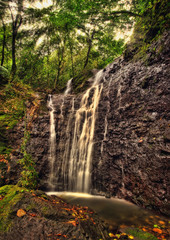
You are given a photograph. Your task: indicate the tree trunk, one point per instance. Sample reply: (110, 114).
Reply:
(15, 26)
(3, 44)
(59, 67)
(88, 53)
(14, 34)
(90, 40)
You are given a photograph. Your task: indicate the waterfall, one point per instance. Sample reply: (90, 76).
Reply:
(105, 120)
(67, 146)
(67, 91)
(73, 170)
(82, 143)
(52, 140)
(68, 88)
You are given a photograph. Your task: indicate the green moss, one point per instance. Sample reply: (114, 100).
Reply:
(10, 195)
(148, 29)
(139, 234)
(12, 107)
(45, 210)
(31, 206)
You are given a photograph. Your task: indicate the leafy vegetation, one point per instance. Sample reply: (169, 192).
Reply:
(29, 175)
(150, 27)
(50, 45)
(45, 47)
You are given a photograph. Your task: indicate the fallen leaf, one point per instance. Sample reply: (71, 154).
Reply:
(73, 223)
(32, 214)
(162, 222)
(111, 234)
(157, 230)
(21, 213)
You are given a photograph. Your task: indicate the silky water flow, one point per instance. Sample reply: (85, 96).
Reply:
(77, 157)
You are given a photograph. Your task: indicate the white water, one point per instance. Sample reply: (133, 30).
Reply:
(52, 139)
(52, 153)
(69, 87)
(106, 121)
(67, 145)
(67, 91)
(82, 143)
(76, 161)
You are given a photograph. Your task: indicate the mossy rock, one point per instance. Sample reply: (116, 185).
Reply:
(139, 234)
(152, 24)
(34, 215)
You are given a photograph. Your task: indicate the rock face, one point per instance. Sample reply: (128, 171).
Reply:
(134, 154)
(132, 139)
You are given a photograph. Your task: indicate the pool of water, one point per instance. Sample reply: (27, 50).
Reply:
(114, 211)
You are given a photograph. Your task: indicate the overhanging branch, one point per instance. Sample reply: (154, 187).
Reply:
(126, 12)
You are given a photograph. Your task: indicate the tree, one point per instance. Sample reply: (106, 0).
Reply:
(76, 36)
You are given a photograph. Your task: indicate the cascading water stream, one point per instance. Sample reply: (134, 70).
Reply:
(52, 140)
(67, 145)
(69, 87)
(52, 153)
(67, 91)
(74, 170)
(82, 143)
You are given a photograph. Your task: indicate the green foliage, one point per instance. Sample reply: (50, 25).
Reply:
(139, 234)
(79, 81)
(150, 27)
(69, 36)
(4, 75)
(28, 175)
(72, 34)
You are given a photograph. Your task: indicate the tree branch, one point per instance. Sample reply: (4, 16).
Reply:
(126, 12)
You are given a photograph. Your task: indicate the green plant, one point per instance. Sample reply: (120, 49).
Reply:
(28, 175)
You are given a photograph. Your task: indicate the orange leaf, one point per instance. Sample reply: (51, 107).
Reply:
(157, 230)
(162, 222)
(73, 223)
(21, 213)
